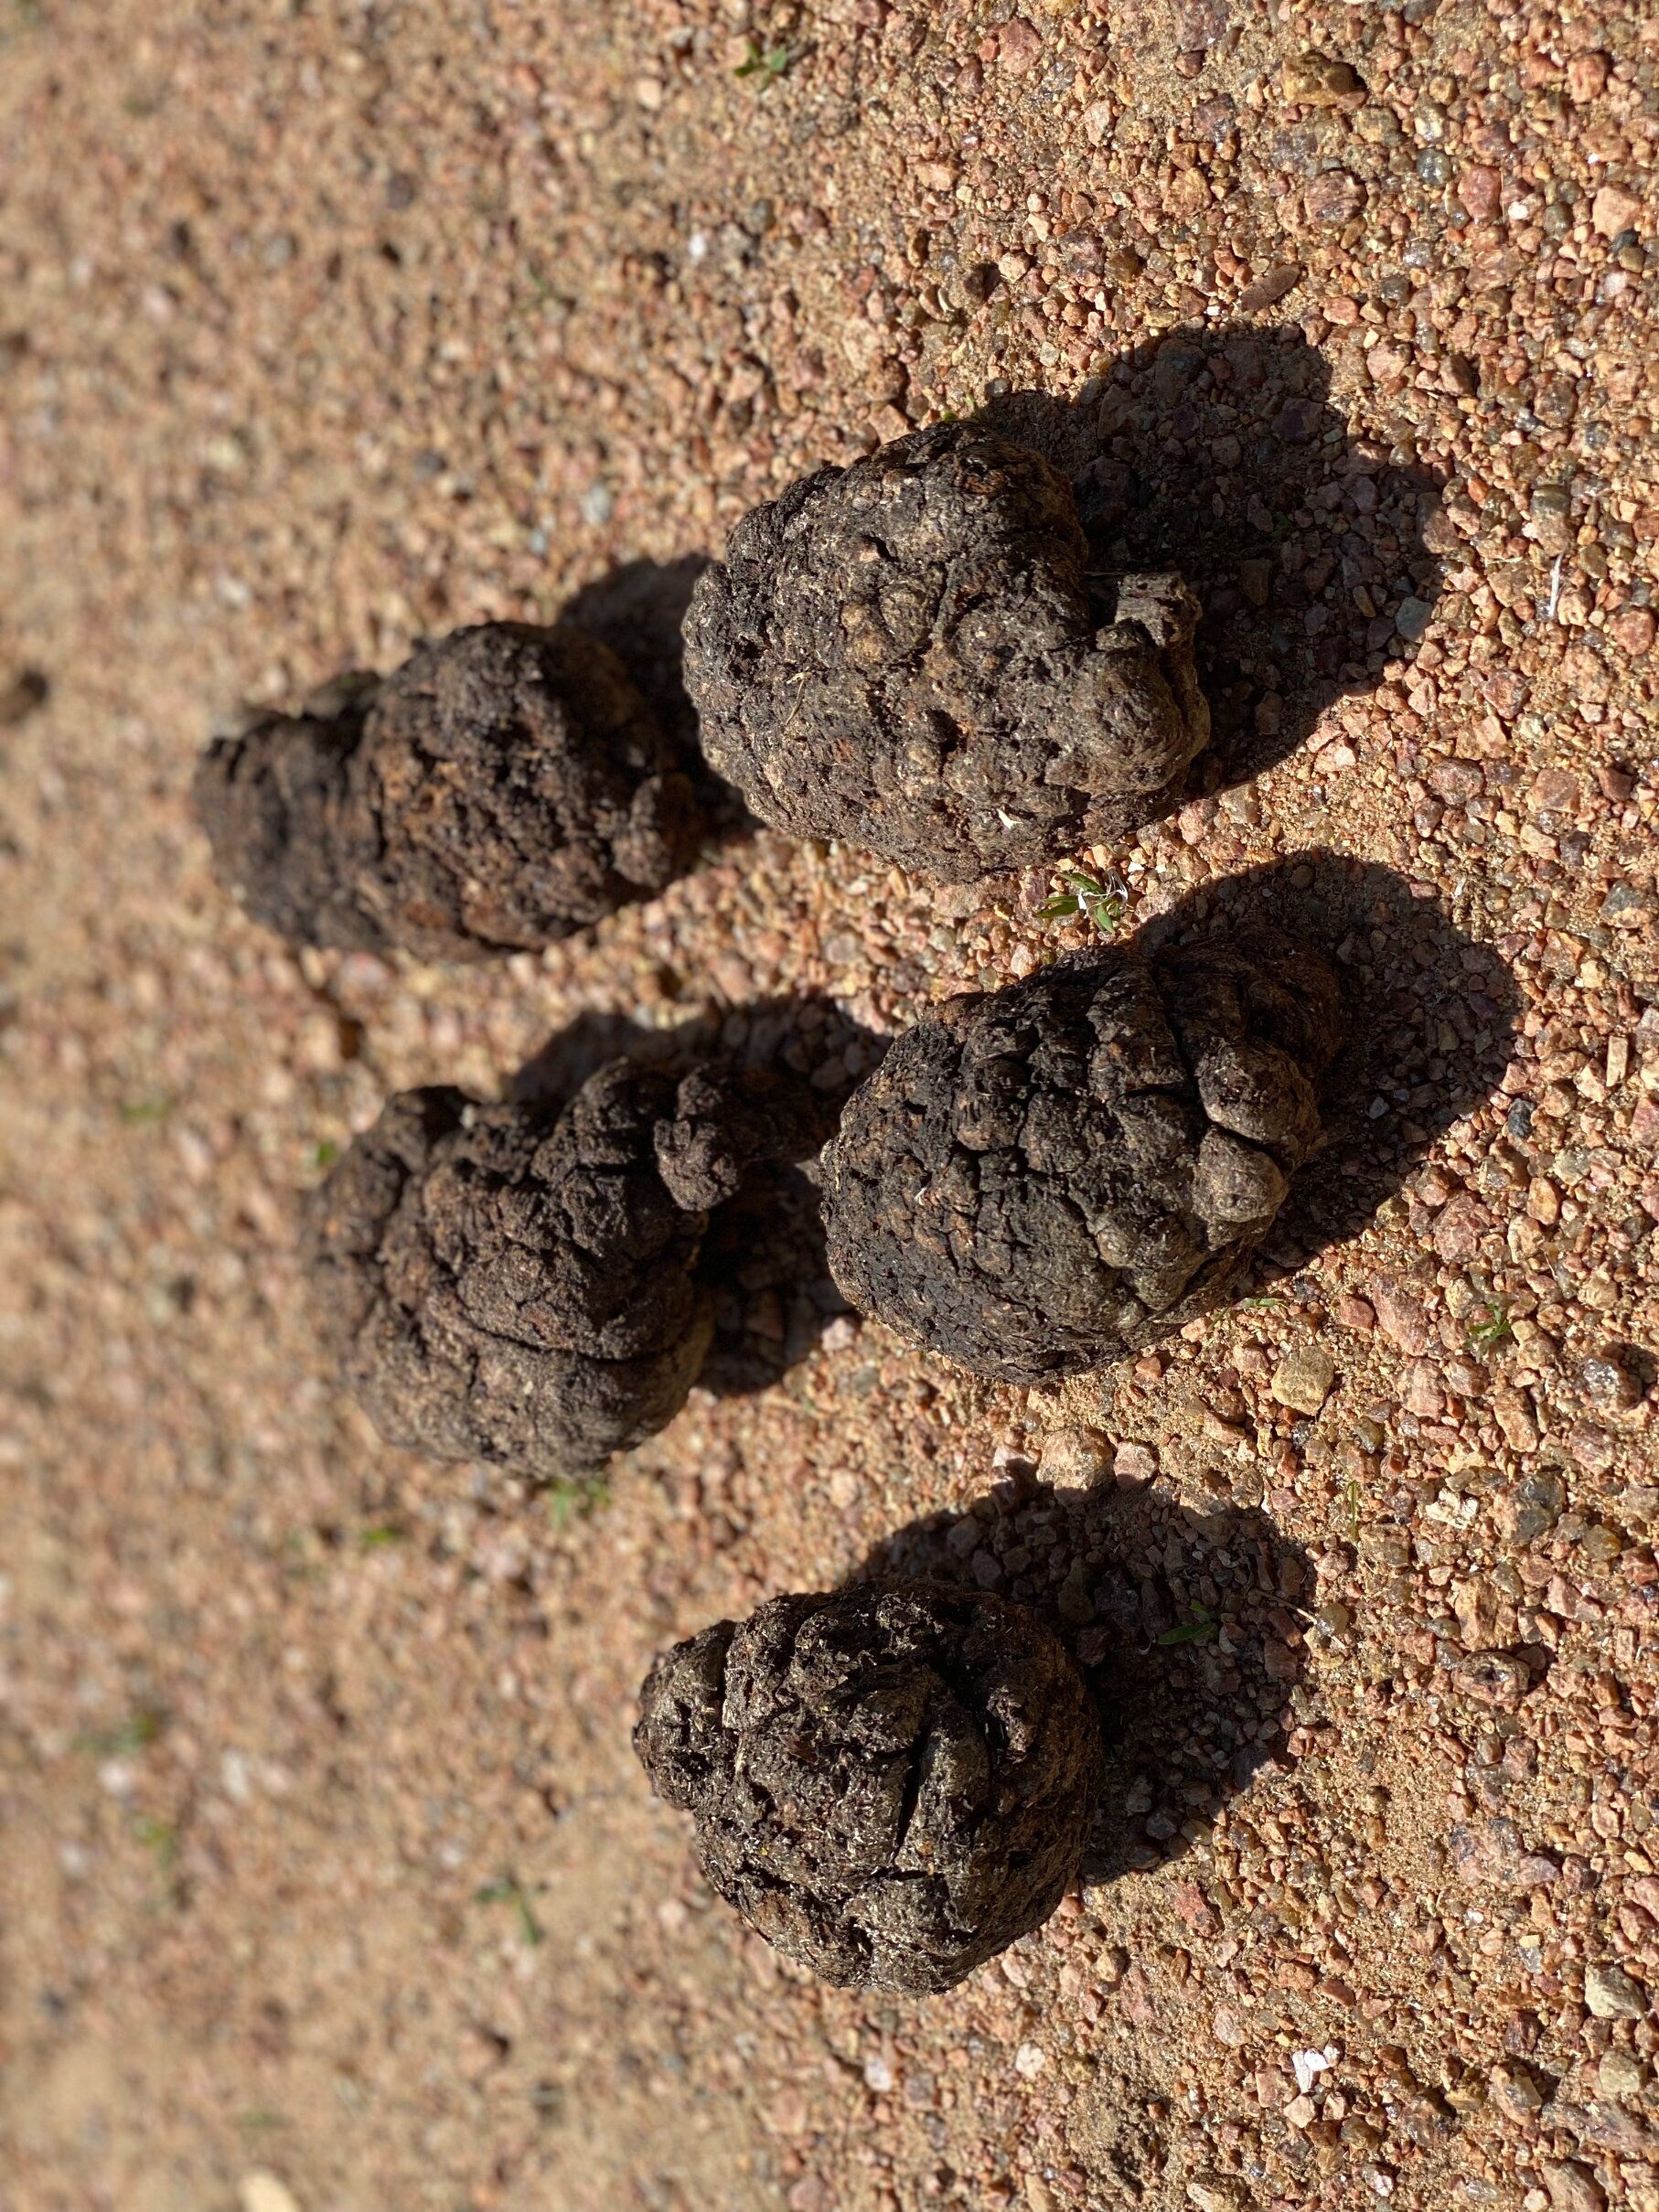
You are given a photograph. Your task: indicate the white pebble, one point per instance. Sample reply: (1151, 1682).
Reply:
(262, 2192)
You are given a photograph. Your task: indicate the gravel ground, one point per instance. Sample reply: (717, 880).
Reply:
(329, 1878)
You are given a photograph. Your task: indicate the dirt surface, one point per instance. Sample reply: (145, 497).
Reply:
(329, 1878)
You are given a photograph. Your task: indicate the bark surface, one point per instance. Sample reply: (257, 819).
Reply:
(1040, 1180)
(891, 1783)
(503, 788)
(911, 654)
(514, 1284)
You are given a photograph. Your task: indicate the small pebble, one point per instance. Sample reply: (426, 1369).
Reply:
(1573, 2188)
(1609, 1380)
(1303, 1379)
(1074, 1458)
(1135, 1462)
(1512, 2089)
(1611, 1994)
(262, 2192)
(1620, 2075)
(1401, 1316)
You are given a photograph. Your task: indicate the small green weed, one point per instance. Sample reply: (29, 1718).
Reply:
(1103, 905)
(142, 1113)
(508, 1890)
(767, 63)
(132, 1735)
(1487, 1326)
(1199, 1627)
(158, 1836)
(326, 1154)
(376, 1539)
(568, 1500)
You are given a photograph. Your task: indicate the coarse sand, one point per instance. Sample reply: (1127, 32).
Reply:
(328, 1876)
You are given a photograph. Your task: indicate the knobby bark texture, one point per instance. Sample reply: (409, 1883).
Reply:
(913, 655)
(891, 1783)
(1042, 1178)
(505, 787)
(515, 1284)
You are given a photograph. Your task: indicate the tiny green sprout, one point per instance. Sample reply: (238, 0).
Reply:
(142, 1113)
(569, 1501)
(768, 63)
(508, 1890)
(134, 1734)
(326, 1154)
(1103, 905)
(1197, 1628)
(1487, 1326)
(158, 1836)
(376, 1539)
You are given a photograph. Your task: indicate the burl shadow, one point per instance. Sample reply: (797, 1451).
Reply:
(762, 1256)
(637, 609)
(1428, 1013)
(1190, 1627)
(1216, 450)
(1429, 1017)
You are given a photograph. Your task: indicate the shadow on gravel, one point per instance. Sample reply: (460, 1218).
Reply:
(1188, 1625)
(1431, 1017)
(638, 610)
(23, 696)
(763, 1258)
(1216, 450)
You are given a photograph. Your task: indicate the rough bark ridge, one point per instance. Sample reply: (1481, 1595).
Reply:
(505, 787)
(512, 1284)
(272, 802)
(910, 654)
(889, 1782)
(1043, 1177)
